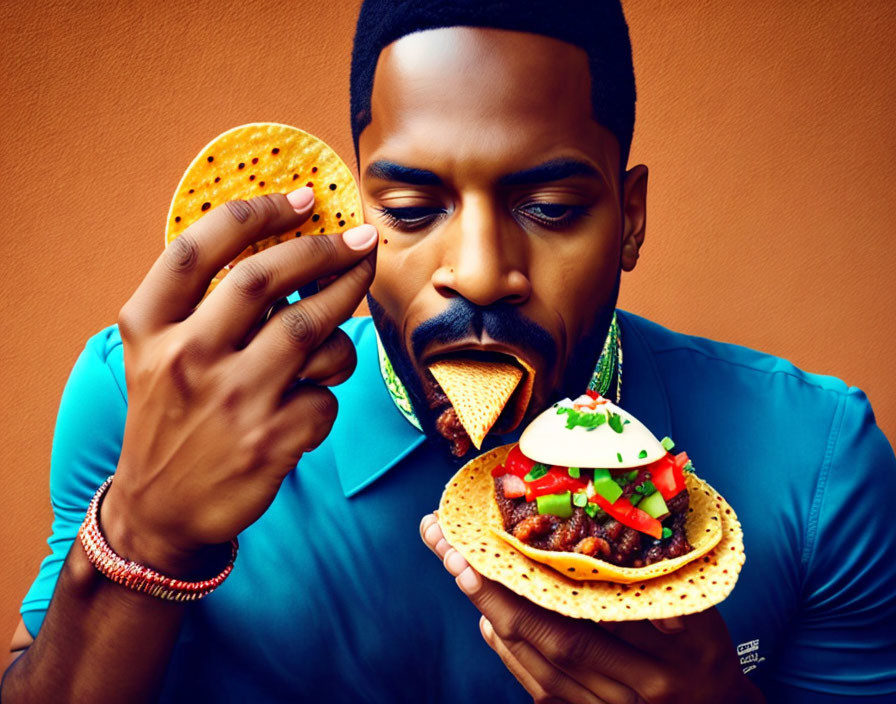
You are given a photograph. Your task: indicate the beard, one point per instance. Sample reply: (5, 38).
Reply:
(504, 323)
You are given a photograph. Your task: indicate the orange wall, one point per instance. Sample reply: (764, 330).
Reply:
(767, 126)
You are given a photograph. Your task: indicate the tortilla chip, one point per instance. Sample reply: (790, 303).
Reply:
(266, 157)
(478, 391)
(470, 521)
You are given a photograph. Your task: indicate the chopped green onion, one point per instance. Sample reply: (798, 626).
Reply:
(619, 456)
(688, 467)
(635, 498)
(627, 421)
(615, 422)
(667, 532)
(631, 476)
(574, 472)
(579, 499)
(642, 454)
(537, 472)
(667, 444)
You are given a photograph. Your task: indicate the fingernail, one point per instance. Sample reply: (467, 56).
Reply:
(300, 198)
(360, 237)
(469, 581)
(431, 534)
(424, 523)
(455, 562)
(671, 625)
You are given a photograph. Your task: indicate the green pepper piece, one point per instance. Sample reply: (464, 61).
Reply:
(607, 488)
(654, 505)
(555, 504)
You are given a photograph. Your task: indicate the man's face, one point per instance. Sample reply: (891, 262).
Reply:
(502, 215)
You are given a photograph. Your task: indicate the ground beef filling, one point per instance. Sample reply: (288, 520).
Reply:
(447, 423)
(602, 537)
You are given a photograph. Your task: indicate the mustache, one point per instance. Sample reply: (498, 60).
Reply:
(502, 321)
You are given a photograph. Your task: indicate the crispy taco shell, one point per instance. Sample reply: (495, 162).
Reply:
(594, 589)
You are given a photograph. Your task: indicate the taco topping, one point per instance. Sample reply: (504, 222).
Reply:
(631, 517)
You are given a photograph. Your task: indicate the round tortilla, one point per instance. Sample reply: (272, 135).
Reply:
(471, 522)
(266, 157)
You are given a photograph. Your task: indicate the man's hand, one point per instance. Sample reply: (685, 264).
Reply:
(561, 659)
(221, 404)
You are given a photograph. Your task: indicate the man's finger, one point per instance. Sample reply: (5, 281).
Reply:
(236, 305)
(602, 664)
(284, 344)
(527, 675)
(180, 276)
(431, 533)
(331, 363)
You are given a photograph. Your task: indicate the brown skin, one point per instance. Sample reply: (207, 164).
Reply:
(216, 393)
(472, 106)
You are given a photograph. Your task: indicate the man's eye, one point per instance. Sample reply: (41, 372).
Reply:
(553, 214)
(411, 218)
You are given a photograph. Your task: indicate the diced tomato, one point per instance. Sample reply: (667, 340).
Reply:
(514, 486)
(516, 463)
(667, 476)
(631, 516)
(556, 481)
(681, 459)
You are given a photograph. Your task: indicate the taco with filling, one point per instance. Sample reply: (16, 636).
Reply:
(592, 516)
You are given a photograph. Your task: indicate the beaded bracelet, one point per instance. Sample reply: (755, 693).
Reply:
(136, 576)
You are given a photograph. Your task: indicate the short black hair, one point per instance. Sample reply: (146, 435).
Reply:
(597, 26)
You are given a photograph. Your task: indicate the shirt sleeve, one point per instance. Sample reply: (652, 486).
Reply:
(843, 640)
(86, 447)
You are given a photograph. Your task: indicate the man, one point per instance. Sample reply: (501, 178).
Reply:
(492, 146)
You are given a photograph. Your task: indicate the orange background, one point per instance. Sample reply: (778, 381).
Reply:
(767, 127)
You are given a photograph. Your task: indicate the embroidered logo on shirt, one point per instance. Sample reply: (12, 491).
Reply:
(749, 655)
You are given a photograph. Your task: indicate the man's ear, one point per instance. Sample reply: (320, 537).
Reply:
(634, 211)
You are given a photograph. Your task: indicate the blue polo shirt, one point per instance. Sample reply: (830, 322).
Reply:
(335, 598)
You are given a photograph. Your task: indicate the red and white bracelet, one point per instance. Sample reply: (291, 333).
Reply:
(134, 575)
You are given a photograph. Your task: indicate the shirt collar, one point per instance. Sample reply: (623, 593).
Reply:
(368, 415)
(370, 435)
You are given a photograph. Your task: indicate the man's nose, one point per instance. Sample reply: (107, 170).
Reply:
(484, 256)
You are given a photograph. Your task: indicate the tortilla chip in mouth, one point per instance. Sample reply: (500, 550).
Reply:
(585, 587)
(481, 387)
(266, 157)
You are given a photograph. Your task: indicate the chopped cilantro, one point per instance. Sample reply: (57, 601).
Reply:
(667, 444)
(642, 454)
(627, 421)
(646, 488)
(619, 456)
(537, 472)
(579, 499)
(688, 467)
(635, 498)
(581, 418)
(574, 472)
(667, 532)
(593, 510)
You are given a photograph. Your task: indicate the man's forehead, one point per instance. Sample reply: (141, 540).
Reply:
(473, 95)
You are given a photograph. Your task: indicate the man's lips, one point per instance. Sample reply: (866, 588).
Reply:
(476, 347)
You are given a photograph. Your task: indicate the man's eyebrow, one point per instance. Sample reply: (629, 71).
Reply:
(553, 170)
(390, 171)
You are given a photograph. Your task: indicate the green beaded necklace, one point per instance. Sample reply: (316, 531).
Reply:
(608, 367)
